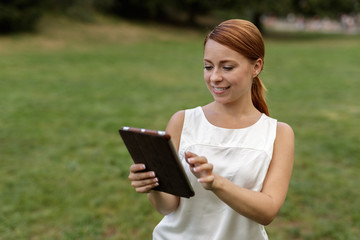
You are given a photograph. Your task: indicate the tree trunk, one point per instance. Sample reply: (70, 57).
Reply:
(257, 21)
(191, 17)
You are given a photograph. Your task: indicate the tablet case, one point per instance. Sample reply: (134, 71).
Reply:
(155, 150)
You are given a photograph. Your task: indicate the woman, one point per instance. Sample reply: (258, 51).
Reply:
(238, 159)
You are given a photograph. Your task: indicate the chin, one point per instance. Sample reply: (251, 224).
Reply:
(222, 100)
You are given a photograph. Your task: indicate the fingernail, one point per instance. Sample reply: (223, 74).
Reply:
(156, 179)
(152, 174)
(143, 166)
(194, 169)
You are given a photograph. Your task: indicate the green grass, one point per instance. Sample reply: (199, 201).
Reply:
(313, 86)
(66, 91)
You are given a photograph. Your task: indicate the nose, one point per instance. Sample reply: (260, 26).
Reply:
(215, 75)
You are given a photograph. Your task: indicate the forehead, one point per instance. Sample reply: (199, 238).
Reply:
(215, 50)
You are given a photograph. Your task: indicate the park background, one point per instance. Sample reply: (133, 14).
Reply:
(73, 72)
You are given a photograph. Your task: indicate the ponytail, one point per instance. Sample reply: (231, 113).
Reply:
(258, 96)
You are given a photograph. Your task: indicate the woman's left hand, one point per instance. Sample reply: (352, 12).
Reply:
(202, 169)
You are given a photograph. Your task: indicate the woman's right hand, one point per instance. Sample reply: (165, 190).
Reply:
(142, 181)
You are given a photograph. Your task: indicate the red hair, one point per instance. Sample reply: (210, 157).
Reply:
(245, 38)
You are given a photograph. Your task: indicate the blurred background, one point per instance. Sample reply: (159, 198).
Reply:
(310, 15)
(73, 72)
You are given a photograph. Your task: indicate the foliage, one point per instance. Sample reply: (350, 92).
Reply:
(170, 11)
(19, 15)
(253, 10)
(329, 8)
(82, 10)
(137, 9)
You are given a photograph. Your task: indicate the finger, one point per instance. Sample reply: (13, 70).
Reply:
(136, 176)
(189, 155)
(207, 179)
(144, 183)
(147, 188)
(137, 167)
(208, 167)
(197, 160)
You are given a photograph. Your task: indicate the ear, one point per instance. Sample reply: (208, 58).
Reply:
(258, 66)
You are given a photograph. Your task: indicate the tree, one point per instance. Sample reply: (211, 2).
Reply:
(325, 8)
(255, 9)
(19, 15)
(193, 8)
(136, 9)
(170, 10)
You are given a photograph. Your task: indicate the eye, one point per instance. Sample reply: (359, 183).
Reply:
(228, 68)
(208, 67)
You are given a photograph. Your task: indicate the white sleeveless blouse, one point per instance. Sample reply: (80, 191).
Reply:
(240, 155)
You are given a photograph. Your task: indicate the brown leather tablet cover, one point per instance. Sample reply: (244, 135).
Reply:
(155, 150)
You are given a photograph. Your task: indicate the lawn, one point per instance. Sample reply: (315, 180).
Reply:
(65, 91)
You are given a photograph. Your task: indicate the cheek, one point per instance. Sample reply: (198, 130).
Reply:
(206, 77)
(243, 78)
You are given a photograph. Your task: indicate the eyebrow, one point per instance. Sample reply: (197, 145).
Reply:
(221, 62)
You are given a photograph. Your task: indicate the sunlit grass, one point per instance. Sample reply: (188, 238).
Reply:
(65, 92)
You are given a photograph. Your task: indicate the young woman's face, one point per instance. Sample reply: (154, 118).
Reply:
(227, 73)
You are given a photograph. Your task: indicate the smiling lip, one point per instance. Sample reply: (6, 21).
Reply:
(220, 90)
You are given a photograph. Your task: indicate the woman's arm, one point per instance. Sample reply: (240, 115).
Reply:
(262, 206)
(143, 182)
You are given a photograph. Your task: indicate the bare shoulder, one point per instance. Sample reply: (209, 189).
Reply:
(176, 121)
(284, 131)
(174, 127)
(285, 140)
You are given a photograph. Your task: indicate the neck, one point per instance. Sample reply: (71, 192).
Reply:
(231, 116)
(236, 109)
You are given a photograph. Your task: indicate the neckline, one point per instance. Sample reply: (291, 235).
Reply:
(230, 129)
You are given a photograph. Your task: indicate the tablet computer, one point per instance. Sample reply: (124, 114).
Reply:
(155, 150)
